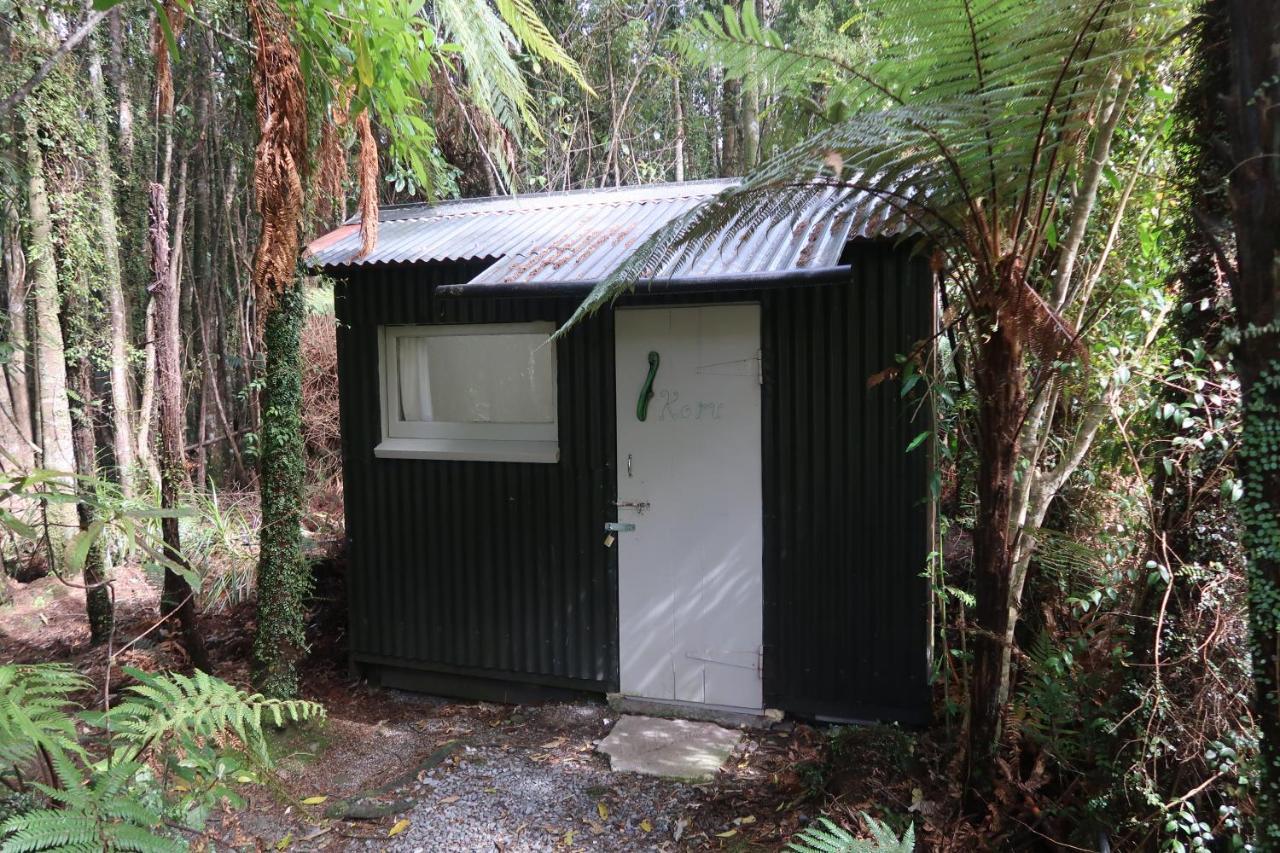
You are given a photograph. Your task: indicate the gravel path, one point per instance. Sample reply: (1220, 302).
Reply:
(404, 772)
(535, 782)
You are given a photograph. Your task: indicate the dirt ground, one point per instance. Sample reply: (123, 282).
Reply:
(413, 772)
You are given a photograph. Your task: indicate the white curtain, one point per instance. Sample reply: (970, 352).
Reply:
(415, 379)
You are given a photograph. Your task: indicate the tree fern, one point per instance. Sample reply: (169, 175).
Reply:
(832, 838)
(964, 123)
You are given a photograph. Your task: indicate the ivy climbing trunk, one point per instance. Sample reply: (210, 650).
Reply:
(113, 285)
(283, 578)
(279, 160)
(177, 600)
(1253, 125)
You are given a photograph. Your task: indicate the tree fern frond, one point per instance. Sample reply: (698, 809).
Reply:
(493, 77)
(968, 115)
(35, 712)
(523, 20)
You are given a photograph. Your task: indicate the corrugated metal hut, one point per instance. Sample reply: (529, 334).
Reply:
(693, 498)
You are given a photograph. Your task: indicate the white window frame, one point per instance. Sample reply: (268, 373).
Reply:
(486, 442)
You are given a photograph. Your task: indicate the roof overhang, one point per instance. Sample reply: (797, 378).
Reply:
(731, 283)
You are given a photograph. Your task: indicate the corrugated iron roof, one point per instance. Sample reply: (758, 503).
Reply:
(584, 234)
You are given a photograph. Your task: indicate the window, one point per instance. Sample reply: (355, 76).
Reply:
(484, 392)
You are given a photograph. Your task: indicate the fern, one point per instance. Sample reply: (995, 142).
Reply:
(117, 804)
(35, 713)
(831, 838)
(200, 706)
(964, 123)
(523, 20)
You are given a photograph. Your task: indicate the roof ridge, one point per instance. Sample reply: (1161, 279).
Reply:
(602, 196)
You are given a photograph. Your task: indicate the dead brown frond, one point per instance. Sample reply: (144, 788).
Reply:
(176, 15)
(368, 184)
(469, 137)
(1049, 335)
(281, 156)
(331, 169)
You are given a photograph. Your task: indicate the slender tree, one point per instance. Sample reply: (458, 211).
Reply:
(178, 599)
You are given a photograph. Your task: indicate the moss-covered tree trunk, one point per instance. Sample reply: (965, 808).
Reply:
(283, 578)
(54, 416)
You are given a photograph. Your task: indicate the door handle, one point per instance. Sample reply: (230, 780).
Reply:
(646, 391)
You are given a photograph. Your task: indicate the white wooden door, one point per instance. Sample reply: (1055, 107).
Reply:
(689, 585)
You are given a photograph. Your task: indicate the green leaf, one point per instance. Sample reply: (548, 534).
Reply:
(81, 544)
(917, 441)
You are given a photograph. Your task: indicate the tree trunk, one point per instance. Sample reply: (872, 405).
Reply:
(750, 116)
(16, 370)
(677, 101)
(1253, 122)
(730, 156)
(97, 597)
(16, 373)
(283, 578)
(56, 451)
(120, 79)
(177, 599)
(113, 288)
(1000, 386)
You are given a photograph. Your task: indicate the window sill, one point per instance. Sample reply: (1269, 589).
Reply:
(475, 450)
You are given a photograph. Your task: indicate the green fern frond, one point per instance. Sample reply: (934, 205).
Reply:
(48, 829)
(743, 49)
(523, 20)
(36, 712)
(968, 111)
(199, 707)
(493, 78)
(825, 836)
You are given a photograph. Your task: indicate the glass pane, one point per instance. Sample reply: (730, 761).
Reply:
(476, 379)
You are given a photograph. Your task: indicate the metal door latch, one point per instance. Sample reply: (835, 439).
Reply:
(638, 506)
(619, 526)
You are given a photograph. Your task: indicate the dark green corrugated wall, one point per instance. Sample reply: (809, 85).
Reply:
(499, 571)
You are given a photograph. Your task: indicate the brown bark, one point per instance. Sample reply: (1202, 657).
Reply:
(16, 373)
(999, 382)
(178, 599)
